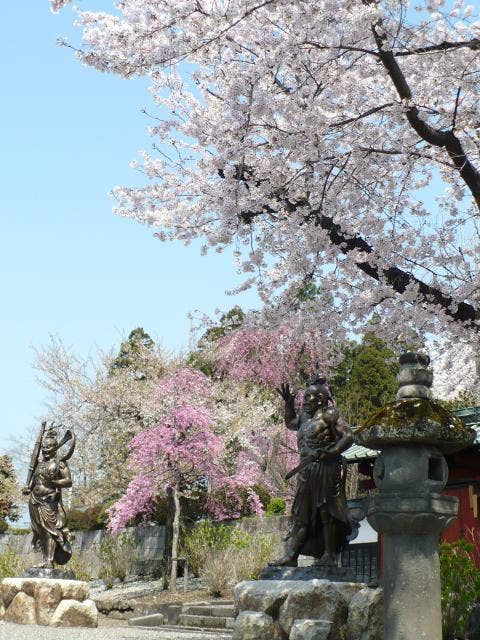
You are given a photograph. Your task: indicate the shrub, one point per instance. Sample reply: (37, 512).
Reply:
(263, 493)
(83, 566)
(204, 537)
(247, 563)
(89, 519)
(460, 586)
(228, 550)
(276, 507)
(217, 570)
(12, 564)
(117, 554)
(225, 555)
(18, 531)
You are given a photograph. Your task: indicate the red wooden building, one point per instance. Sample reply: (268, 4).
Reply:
(463, 482)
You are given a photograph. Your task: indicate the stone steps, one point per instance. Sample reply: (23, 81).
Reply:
(181, 631)
(188, 632)
(216, 610)
(208, 615)
(205, 622)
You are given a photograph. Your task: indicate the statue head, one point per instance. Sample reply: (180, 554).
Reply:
(50, 442)
(317, 394)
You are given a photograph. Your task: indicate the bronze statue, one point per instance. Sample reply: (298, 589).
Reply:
(45, 481)
(320, 518)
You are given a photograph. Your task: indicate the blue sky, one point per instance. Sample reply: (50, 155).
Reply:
(69, 266)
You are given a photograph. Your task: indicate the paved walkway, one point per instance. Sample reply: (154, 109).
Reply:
(9, 631)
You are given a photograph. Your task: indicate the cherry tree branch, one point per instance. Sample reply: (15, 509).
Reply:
(436, 137)
(396, 278)
(473, 44)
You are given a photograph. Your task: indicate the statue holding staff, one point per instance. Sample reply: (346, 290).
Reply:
(320, 521)
(48, 474)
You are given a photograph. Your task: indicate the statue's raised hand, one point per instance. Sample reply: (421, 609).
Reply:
(287, 395)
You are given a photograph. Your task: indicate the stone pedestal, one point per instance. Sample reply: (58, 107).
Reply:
(47, 602)
(312, 572)
(411, 527)
(305, 610)
(47, 572)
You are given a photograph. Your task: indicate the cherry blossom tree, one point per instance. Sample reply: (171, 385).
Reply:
(251, 359)
(9, 493)
(272, 356)
(186, 454)
(106, 405)
(304, 134)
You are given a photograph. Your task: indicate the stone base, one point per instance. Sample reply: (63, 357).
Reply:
(313, 572)
(307, 610)
(47, 602)
(47, 572)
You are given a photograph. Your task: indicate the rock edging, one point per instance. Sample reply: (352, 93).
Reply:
(47, 602)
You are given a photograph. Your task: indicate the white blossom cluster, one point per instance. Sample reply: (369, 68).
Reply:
(304, 134)
(456, 372)
(58, 4)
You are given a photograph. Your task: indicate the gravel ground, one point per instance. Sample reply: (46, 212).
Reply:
(9, 631)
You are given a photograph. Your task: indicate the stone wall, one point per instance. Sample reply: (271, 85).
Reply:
(147, 555)
(151, 542)
(149, 549)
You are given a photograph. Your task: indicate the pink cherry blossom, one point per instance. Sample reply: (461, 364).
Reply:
(184, 450)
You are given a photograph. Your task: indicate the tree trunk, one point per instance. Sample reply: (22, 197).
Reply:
(175, 537)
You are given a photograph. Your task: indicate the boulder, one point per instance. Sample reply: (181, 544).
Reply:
(365, 615)
(21, 609)
(264, 596)
(109, 605)
(319, 600)
(252, 625)
(311, 630)
(72, 613)
(48, 594)
(74, 589)
(10, 588)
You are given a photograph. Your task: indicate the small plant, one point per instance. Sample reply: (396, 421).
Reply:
(225, 554)
(18, 531)
(12, 564)
(218, 571)
(117, 554)
(247, 564)
(276, 507)
(460, 586)
(202, 539)
(83, 566)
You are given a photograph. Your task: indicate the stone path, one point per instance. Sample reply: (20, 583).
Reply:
(9, 631)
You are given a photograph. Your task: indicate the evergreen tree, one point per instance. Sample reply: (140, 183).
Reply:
(131, 350)
(366, 379)
(203, 358)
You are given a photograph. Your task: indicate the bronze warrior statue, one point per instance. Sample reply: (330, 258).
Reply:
(320, 518)
(46, 479)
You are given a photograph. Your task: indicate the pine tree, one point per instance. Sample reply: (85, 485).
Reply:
(366, 378)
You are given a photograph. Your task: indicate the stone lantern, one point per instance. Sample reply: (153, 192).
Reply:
(410, 472)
